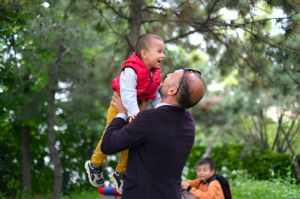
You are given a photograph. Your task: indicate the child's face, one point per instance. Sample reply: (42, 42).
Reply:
(154, 55)
(204, 172)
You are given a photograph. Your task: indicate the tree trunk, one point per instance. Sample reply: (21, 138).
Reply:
(51, 143)
(294, 158)
(135, 21)
(25, 134)
(297, 169)
(207, 152)
(54, 154)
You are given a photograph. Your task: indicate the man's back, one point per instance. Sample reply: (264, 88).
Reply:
(155, 165)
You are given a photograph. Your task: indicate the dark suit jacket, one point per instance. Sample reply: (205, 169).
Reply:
(159, 141)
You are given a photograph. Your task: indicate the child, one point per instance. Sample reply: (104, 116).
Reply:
(207, 185)
(138, 82)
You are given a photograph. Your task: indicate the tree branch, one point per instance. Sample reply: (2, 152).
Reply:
(277, 137)
(105, 19)
(119, 13)
(233, 25)
(181, 36)
(211, 9)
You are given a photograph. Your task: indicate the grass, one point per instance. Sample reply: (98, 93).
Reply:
(73, 195)
(84, 194)
(241, 189)
(253, 189)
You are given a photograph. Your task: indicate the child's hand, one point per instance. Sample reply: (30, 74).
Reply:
(117, 103)
(184, 185)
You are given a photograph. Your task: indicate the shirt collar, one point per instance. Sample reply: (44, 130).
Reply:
(163, 104)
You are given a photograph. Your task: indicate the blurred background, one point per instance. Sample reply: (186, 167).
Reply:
(58, 57)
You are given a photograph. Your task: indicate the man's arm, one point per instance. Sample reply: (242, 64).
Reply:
(118, 136)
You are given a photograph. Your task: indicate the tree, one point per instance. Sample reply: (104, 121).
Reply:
(58, 59)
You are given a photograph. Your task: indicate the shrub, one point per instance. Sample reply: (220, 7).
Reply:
(258, 163)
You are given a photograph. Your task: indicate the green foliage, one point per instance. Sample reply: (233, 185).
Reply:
(243, 188)
(89, 194)
(257, 69)
(263, 164)
(258, 163)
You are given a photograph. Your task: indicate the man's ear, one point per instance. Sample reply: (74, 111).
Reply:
(172, 91)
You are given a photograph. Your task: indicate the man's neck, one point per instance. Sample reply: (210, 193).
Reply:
(169, 102)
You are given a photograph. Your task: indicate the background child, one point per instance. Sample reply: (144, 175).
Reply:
(206, 186)
(138, 82)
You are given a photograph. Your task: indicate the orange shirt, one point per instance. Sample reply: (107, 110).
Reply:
(212, 190)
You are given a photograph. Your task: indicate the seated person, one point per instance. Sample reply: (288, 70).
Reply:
(206, 186)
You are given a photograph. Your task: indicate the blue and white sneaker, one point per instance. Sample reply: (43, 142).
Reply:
(95, 174)
(118, 181)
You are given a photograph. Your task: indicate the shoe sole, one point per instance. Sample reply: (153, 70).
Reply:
(114, 181)
(87, 169)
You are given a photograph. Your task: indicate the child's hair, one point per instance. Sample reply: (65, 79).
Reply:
(208, 161)
(143, 42)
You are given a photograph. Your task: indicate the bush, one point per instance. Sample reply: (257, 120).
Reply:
(264, 164)
(258, 163)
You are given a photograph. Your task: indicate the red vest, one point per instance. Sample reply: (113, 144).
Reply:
(146, 84)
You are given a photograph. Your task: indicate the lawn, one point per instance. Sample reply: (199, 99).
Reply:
(253, 189)
(241, 189)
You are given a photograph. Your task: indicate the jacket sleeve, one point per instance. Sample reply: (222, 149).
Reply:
(214, 191)
(194, 183)
(118, 137)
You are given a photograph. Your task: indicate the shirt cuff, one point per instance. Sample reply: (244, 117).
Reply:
(188, 189)
(122, 115)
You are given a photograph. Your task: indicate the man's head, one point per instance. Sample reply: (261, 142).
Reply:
(183, 88)
(150, 48)
(205, 169)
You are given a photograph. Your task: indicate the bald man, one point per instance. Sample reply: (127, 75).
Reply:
(159, 140)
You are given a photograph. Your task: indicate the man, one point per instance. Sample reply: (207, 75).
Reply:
(159, 140)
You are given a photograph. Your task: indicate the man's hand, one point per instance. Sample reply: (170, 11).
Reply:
(131, 118)
(117, 103)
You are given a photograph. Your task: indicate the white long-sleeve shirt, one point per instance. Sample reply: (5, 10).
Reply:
(128, 83)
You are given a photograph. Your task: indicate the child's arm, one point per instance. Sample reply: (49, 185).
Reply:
(214, 191)
(128, 91)
(192, 183)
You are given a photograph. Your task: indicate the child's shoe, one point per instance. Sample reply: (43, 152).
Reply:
(95, 174)
(118, 181)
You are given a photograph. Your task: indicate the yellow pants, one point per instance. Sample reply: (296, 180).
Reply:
(98, 158)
